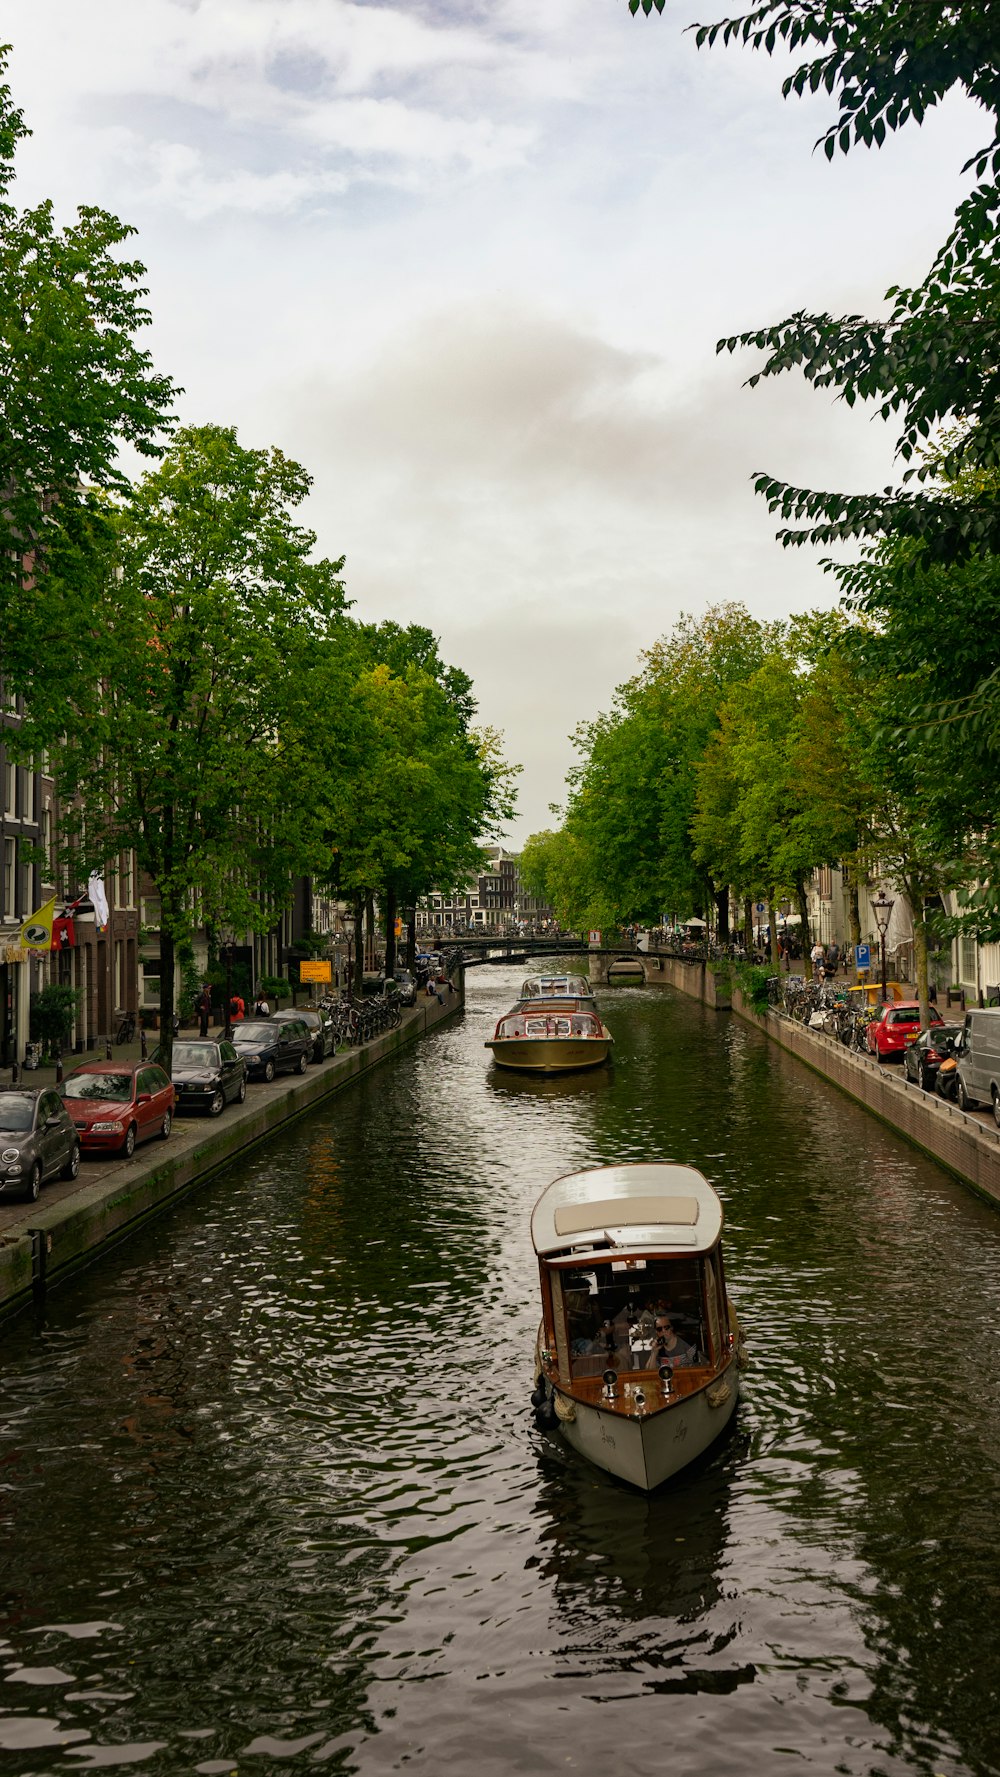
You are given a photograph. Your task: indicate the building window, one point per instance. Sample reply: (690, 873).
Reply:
(9, 872)
(150, 989)
(968, 961)
(9, 789)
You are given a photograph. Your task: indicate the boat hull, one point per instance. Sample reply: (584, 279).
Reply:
(649, 1450)
(550, 1055)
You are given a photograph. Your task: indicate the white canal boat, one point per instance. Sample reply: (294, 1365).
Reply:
(639, 1351)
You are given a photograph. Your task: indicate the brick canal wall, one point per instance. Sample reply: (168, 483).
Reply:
(967, 1145)
(55, 1239)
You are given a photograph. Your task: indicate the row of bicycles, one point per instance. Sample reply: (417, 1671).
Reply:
(358, 1021)
(824, 1006)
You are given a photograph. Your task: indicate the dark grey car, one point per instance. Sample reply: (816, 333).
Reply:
(37, 1141)
(319, 1023)
(268, 1047)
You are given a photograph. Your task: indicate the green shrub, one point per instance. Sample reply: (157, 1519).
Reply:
(274, 987)
(51, 1015)
(752, 982)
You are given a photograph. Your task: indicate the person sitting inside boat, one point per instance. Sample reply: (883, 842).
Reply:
(668, 1346)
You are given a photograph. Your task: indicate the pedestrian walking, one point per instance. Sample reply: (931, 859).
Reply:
(237, 1010)
(817, 956)
(203, 1007)
(261, 1008)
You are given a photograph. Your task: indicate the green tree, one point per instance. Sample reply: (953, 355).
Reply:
(74, 387)
(181, 742)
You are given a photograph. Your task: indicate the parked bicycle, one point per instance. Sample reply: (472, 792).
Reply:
(126, 1027)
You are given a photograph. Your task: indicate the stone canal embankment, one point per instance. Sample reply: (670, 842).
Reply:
(75, 1221)
(968, 1145)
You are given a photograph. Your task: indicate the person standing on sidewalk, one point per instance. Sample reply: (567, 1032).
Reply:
(203, 1007)
(817, 956)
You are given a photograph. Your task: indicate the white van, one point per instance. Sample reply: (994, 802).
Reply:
(978, 1053)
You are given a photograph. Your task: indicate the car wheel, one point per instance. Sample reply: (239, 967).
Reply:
(964, 1101)
(72, 1165)
(303, 1064)
(128, 1145)
(166, 1125)
(217, 1104)
(33, 1189)
(241, 1094)
(269, 1071)
(996, 1107)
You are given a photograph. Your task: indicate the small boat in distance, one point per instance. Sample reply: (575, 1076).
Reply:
(556, 987)
(550, 1037)
(639, 1351)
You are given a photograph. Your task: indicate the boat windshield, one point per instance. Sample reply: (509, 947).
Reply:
(550, 1024)
(613, 1311)
(563, 987)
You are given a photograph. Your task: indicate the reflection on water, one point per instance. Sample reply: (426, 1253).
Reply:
(270, 1489)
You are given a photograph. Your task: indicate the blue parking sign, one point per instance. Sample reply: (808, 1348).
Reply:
(863, 956)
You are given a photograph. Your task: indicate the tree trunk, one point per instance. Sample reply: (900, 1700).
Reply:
(748, 925)
(359, 945)
(371, 953)
(919, 919)
(411, 939)
(390, 932)
(772, 926)
(167, 963)
(800, 896)
(854, 907)
(722, 915)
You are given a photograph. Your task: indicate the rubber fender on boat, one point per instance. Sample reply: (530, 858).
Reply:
(538, 1394)
(545, 1416)
(719, 1395)
(742, 1356)
(565, 1410)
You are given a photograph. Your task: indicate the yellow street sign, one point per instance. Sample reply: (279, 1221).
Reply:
(315, 971)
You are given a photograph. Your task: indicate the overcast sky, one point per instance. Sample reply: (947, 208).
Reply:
(468, 260)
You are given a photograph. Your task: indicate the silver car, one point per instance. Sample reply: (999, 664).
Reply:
(37, 1141)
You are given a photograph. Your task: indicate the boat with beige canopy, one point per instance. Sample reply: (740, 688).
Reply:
(639, 1351)
(550, 1037)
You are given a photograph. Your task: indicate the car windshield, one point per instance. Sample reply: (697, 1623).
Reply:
(98, 1086)
(16, 1112)
(253, 1033)
(195, 1055)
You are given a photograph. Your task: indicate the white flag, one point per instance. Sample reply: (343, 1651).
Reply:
(98, 894)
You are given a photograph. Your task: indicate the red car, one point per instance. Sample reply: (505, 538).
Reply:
(888, 1032)
(115, 1104)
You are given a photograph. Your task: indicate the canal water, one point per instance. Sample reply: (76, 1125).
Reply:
(271, 1497)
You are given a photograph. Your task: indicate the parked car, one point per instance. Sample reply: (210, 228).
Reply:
(37, 1141)
(271, 1045)
(407, 987)
(114, 1104)
(318, 1022)
(888, 1032)
(978, 1051)
(923, 1056)
(207, 1076)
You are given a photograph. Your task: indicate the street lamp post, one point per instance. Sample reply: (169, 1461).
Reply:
(882, 906)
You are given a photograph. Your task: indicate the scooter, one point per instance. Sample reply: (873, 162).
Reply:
(946, 1081)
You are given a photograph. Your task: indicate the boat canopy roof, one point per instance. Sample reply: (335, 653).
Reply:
(655, 1205)
(548, 987)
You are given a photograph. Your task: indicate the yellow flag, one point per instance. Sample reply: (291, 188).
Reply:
(36, 932)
